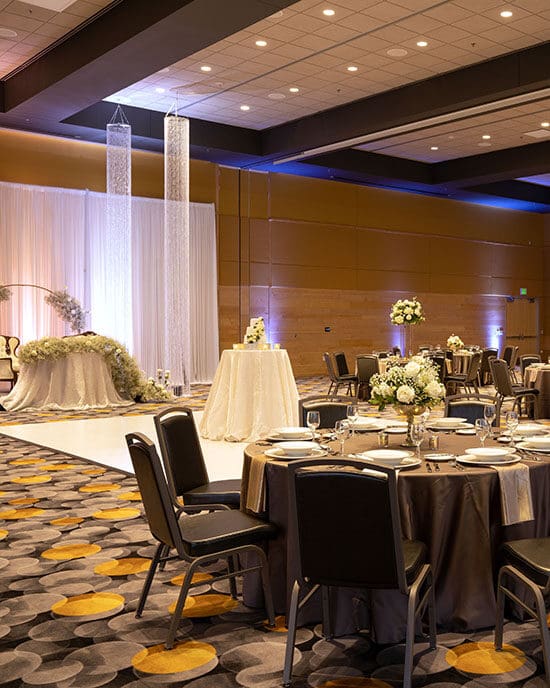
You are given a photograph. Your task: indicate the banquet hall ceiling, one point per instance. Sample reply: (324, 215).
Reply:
(444, 97)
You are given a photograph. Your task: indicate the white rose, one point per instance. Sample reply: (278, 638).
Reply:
(399, 319)
(405, 394)
(411, 369)
(408, 309)
(417, 311)
(408, 317)
(385, 389)
(433, 390)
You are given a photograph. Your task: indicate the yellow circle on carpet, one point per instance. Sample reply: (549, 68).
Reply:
(482, 658)
(26, 462)
(99, 487)
(279, 625)
(73, 551)
(15, 514)
(32, 479)
(23, 501)
(354, 682)
(66, 521)
(58, 467)
(130, 496)
(3, 534)
(122, 514)
(183, 657)
(123, 567)
(197, 578)
(211, 604)
(94, 471)
(87, 604)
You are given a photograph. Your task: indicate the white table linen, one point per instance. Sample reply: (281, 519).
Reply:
(77, 381)
(253, 392)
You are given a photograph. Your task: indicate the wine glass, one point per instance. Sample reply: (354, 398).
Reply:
(512, 422)
(342, 431)
(313, 420)
(482, 430)
(352, 413)
(417, 436)
(490, 413)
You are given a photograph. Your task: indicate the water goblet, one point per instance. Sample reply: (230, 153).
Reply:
(313, 420)
(417, 436)
(482, 430)
(512, 422)
(342, 432)
(490, 413)
(352, 412)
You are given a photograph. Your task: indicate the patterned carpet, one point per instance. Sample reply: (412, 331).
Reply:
(74, 552)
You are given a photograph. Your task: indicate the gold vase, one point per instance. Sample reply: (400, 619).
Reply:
(409, 411)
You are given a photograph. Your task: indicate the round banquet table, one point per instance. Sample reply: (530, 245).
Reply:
(253, 391)
(456, 513)
(77, 381)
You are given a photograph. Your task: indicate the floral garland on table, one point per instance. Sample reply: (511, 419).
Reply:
(455, 343)
(406, 312)
(416, 383)
(127, 378)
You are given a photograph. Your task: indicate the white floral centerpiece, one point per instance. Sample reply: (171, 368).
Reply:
(406, 312)
(255, 332)
(411, 388)
(455, 343)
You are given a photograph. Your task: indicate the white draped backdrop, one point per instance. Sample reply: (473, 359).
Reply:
(54, 238)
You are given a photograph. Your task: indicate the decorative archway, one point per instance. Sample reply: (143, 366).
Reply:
(66, 306)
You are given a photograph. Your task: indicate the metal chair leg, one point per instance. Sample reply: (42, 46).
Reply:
(431, 613)
(159, 553)
(500, 611)
(266, 585)
(232, 566)
(409, 638)
(291, 634)
(176, 618)
(327, 615)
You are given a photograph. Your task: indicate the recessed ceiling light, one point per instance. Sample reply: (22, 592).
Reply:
(7, 33)
(486, 136)
(506, 14)
(294, 89)
(159, 89)
(396, 52)
(276, 96)
(329, 13)
(434, 147)
(245, 108)
(421, 44)
(352, 68)
(545, 124)
(261, 43)
(206, 68)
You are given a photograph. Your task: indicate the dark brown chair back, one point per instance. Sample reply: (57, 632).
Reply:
(341, 363)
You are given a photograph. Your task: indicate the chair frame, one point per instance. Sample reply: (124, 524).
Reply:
(468, 379)
(501, 397)
(162, 553)
(337, 381)
(417, 602)
(473, 396)
(13, 377)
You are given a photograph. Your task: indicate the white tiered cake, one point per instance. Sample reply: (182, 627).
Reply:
(255, 332)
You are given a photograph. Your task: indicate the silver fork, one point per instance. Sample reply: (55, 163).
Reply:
(458, 466)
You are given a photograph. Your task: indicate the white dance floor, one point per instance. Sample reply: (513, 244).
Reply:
(102, 440)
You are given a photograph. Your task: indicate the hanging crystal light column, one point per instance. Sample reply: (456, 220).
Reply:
(176, 246)
(112, 290)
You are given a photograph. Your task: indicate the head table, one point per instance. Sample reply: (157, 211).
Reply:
(455, 512)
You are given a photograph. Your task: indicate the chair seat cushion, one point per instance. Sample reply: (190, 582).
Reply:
(458, 377)
(347, 376)
(220, 530)
(520, 391)
(217, 492)
(414, 556)
(531, 556)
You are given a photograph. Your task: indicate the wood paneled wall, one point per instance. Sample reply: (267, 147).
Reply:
(309, 254)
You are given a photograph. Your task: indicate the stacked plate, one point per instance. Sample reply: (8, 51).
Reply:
(450, 423)
(286, 451)
(391, 457)
(366, 424)
(487, 456)
(290, 433)
(536, 443)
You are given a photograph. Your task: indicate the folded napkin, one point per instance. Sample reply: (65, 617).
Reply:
(515, 493)
(255, 500)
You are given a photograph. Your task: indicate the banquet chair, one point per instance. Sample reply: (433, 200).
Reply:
(197, 540)
(7, 373)
(469, 379)
(367, 366)
(3, 346)
(336, 380)
(330, 410)
(439, 363)
(510, 355)
(364, 509)
(184, 464)
(12, 346)
(526, 360)
(469, 406)
(506, 390)
(381, 354)
(485, 369)
(527, 565)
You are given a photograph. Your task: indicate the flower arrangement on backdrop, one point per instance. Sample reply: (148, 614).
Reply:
(66, 306)
(417, 383)
(406, 312)
(454, 343)
(128, 379)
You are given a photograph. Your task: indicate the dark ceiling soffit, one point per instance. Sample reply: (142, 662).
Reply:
(524, 191)
(149, 124)
(521, 161)
(128, 43)
(502, 77)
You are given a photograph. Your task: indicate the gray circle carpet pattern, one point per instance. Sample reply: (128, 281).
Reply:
(74, 552)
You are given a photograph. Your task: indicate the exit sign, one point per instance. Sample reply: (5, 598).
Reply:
(523, 291)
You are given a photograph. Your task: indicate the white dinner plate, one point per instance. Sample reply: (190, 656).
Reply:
(279, 454)
(462, 425)
(442, 456)
(275, 437)
(393, 430)
(407, 462)
(530, 429)
(470, 459)
(465, 431)
(392, 457)
(447, 422)
(490, 453)
(538, 450)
